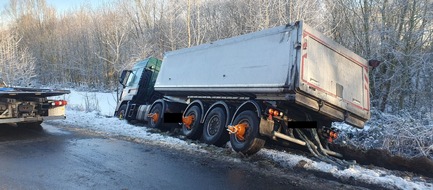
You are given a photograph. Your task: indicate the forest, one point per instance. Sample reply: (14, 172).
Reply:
(90, 46)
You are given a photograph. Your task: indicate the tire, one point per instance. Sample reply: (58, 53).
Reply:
(252, 142)
(122, 111)
(158, 110)
(196, 129)
(214, 130)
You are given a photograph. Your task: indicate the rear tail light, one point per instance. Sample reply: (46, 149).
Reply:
(59, 103)
(330, 134)
(270, 111)
(273, 112)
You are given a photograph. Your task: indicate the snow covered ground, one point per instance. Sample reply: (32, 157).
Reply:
(93, 111)
(100, 103)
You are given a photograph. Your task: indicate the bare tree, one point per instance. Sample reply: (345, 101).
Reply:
(17, 65)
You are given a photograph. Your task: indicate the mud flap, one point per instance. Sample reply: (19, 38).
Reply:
(266, 127)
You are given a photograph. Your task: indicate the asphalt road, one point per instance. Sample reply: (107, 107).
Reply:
(58, 158)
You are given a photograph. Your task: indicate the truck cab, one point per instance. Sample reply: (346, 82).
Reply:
(138, 89)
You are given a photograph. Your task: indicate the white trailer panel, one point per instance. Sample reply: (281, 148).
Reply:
(254, 62)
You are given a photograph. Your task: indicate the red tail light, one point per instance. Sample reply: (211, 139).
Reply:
(333, 135)
(59, 103)
(270, 111)
(274, 112)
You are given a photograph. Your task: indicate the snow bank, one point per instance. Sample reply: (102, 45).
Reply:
(111, 126)
(359, 173)
(399, 134)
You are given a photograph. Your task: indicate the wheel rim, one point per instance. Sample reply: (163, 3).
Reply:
(152, 122)
(121, 114)
(192, 123)
(213, 126)
(243, 121)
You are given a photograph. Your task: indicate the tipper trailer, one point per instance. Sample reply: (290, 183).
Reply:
(30, 106)
(284, 83)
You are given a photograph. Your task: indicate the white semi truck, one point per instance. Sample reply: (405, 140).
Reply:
(285, 83)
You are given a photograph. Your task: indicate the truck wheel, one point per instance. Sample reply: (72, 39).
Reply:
(155, 120)
(214, 131)
(194, 130)
(122, 111)
(250, 142)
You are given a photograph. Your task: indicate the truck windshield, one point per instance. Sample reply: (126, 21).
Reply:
(134, 77)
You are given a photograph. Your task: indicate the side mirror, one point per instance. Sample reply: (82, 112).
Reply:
(123, 79)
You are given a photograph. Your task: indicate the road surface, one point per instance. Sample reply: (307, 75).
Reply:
(59, 158)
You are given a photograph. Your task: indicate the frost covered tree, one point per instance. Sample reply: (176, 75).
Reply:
(17, 65)
(399, 33)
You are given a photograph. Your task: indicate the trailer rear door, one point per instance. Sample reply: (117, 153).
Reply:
(332, 73)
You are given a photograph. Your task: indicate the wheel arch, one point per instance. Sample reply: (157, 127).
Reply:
(248, 105)
(120, 104)
(222, 105)
(164, 106)
(198, 103)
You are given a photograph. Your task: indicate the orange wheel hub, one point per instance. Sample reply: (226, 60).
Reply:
(154, 117)
(188, 120)
(239, 130)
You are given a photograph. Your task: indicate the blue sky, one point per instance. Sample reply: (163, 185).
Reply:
(62, 5)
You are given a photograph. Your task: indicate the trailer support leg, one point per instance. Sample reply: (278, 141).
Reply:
(316, 148)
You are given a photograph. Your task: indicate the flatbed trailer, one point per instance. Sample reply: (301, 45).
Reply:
(30, 106)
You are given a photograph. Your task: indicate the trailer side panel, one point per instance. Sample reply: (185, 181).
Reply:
(257, 62)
